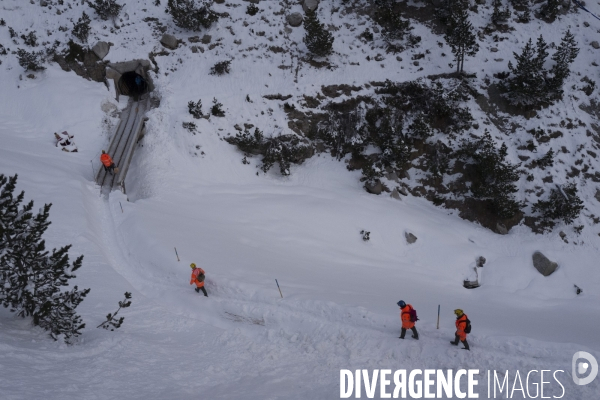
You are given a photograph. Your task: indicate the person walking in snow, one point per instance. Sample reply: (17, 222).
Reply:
(198, 279)
(408, 315)
(463, 326)
(107, 162)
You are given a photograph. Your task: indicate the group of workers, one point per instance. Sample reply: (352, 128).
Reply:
(408, 316)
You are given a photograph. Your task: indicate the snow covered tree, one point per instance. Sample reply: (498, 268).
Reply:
(527, 85)
(112, 322)
(460, 37)
(317, 39)
(563, 203)
(500, 15)
(31, 61)
(493, 178)
(565, 55)
(81, 29)
(30, 278)
(188, 14)
(195, 109)
(393, 27)
(106, 8)
(550, 9)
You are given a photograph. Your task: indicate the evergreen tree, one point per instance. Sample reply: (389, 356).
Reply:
(393, 27)
(189, 15)
(106, 8)
(527, 85)
(460, 37)
(30, 278)
(565, 55)
(31, 61)
(499, 15)
(317, 39)
(493, 177)
(550, 9)
(81, 29)
(563, 203)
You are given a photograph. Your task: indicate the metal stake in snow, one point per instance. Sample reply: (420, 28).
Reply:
(279, 288)
(176, 253)
(121, 207)
(438, 323)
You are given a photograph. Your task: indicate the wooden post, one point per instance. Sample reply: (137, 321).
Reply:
(176, 253)
(438, 321)
(281, 294)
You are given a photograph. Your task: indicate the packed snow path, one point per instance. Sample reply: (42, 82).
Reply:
(123, 143)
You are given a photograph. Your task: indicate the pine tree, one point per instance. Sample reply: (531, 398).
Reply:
(189, 15)
(563, 203)
(30, 278)
(81, 29)
(460, 37)
(393, 27)
(106, 8)
(527, 85)
(317, 39)
(565, 55)
(499, 15)
(550, 9)
(494, 177)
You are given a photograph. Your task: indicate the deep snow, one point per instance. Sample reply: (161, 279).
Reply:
(339, 307)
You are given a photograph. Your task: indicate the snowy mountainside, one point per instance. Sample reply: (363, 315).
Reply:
(191, 191)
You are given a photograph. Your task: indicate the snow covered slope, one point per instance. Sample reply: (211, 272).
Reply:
(192, 192)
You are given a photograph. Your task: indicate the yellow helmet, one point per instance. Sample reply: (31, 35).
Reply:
(192, 265)
(458, 312)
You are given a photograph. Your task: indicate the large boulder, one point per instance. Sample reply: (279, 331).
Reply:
(169, 41)
(310, 5)
(543, 264)
(101, 49)
(294, 19)
(375, 187)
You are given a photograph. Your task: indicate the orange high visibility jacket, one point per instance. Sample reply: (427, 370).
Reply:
(106, 160)
(461, 325)
(405, 317)
(194, 278)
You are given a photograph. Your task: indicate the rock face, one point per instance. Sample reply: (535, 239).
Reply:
(294, 19)
(169, 41)
(595, 44)
(410, 238)
(101, 49)
(375, 188)
(310, 5)
(543, 264)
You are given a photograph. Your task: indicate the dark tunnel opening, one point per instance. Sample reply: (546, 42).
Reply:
(132, 84)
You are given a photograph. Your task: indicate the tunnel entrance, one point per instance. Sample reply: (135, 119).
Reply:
(130, 78)
(132, 84)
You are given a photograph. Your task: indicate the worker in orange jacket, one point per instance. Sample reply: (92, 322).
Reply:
(408, 316)
(107, 162)
(462, 321)
(198, 279)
